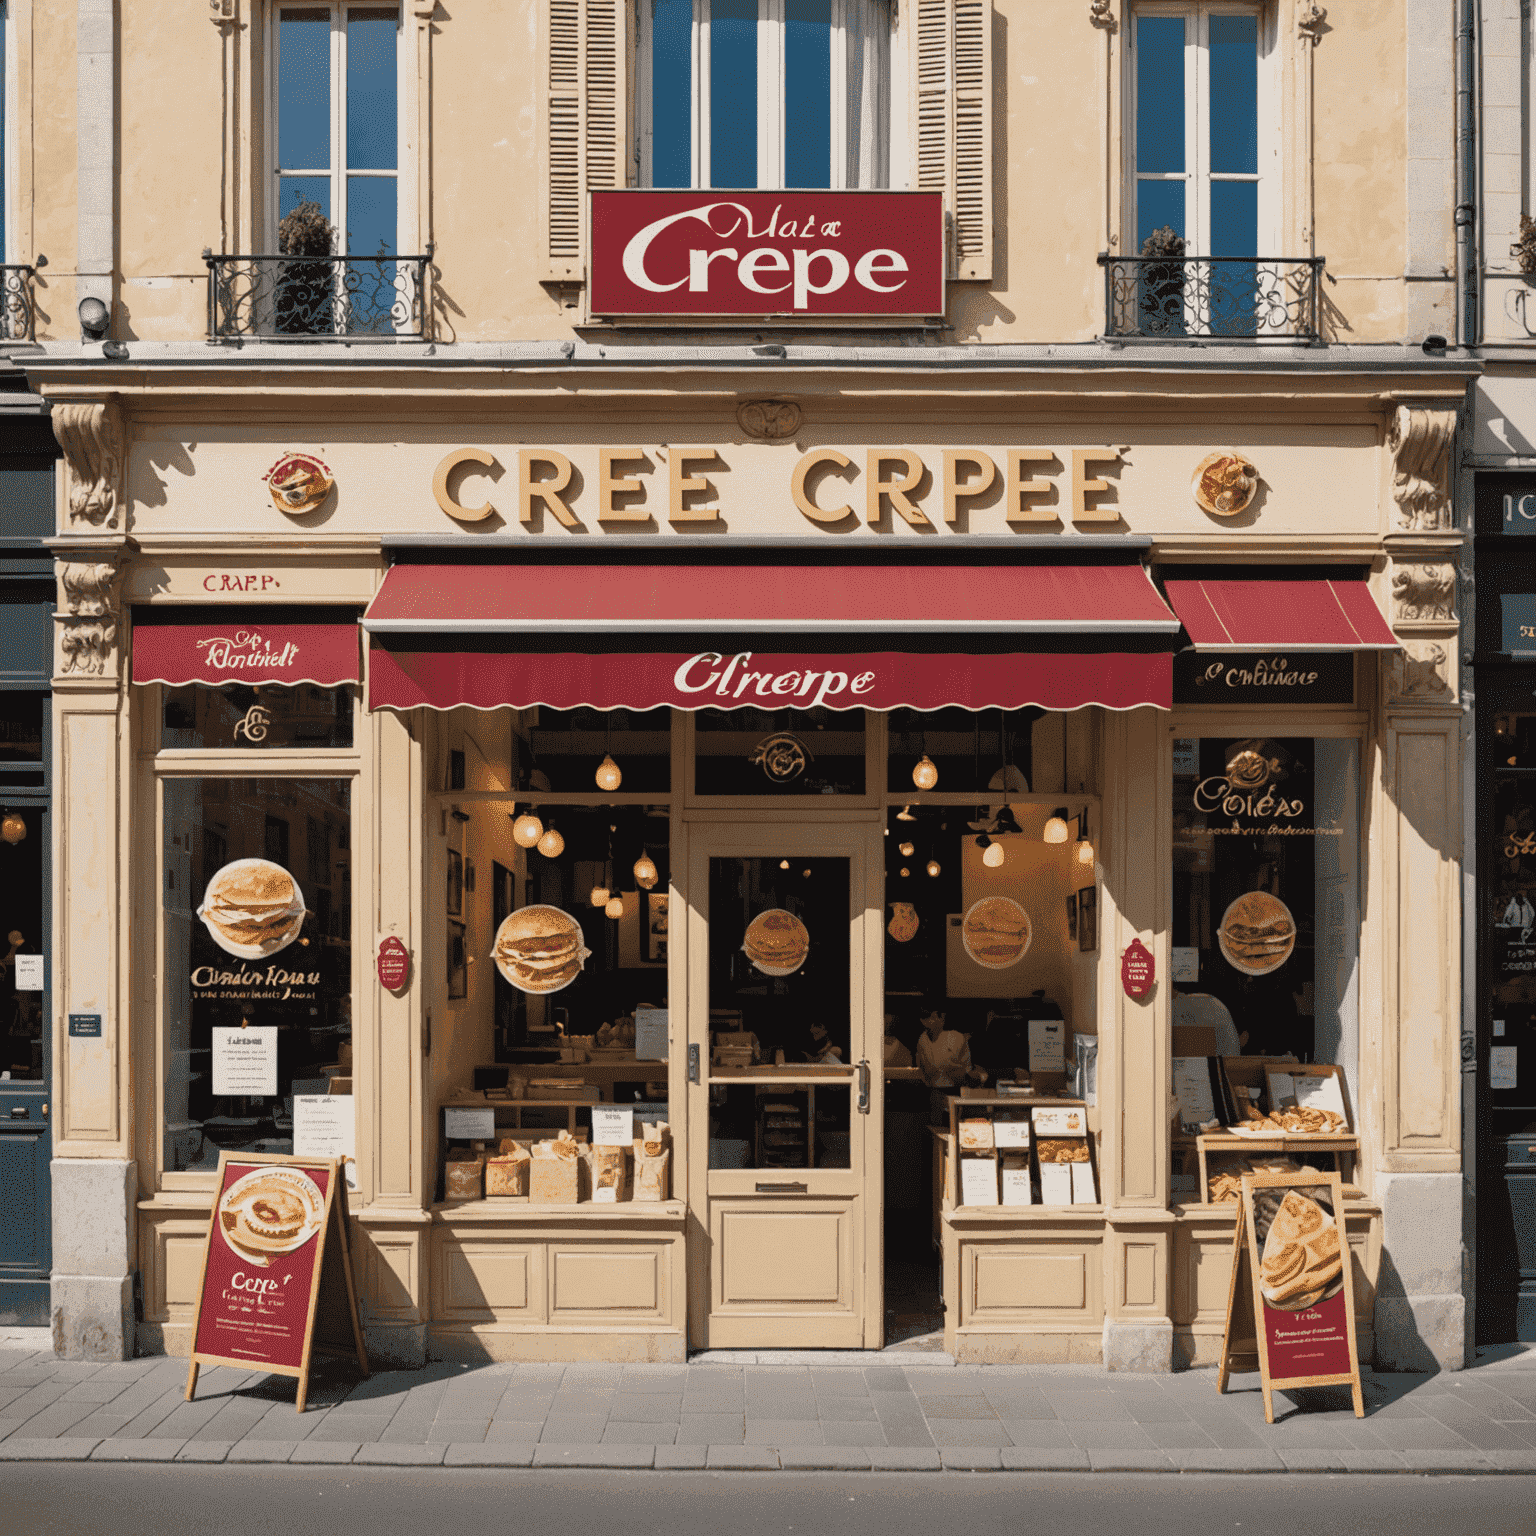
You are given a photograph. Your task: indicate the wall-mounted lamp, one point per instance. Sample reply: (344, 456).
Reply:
(1056, 830)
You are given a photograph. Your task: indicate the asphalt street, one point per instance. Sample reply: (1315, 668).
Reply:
(82, 1499)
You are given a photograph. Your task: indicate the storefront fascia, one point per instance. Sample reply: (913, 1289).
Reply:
(1133, 1281)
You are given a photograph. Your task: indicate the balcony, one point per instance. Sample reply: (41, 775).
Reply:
(310, 298)
(1230, 299)
(18, 314)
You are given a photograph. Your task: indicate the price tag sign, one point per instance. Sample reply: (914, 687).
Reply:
(612, 1127)
(1138, 970)
(469, 1124)
(29, 973)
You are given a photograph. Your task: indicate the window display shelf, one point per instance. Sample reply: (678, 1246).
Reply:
(521, 1209)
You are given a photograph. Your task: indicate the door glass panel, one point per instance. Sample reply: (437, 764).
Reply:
(780, 752)
(21, 929)
(266, 716)
(756, 1125)
(21, 727)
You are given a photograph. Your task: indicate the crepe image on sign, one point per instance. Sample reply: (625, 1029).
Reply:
(1302, 1262)
(252, 908)
(270, 1211)
(1257, 933)
(539, 949)
(996, 932)
(1224, 484)
(776, 942)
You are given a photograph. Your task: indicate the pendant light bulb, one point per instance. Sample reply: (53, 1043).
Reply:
(527, 830)
(13, 829)
(1056, 828)
(933, 869)
(905, 872)
(906, 850)
(551, 845)
(992, 855)
(1085, 854)
(615, 906)
(925, 775)
(904, 814)
(608, 775)
(646, 873)
(599, 896)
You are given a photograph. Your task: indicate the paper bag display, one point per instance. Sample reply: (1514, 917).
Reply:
(508, 1174)
(464, 1179)
(610, 1175)
(554, 1171)
(653, 1158)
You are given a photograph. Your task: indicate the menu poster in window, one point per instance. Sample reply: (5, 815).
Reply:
(325, 1125)
(1290, 1232)
(245, 1062)
(276, 1280)
(1192, 1084)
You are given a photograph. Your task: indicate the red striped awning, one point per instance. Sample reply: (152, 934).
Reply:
(248, 650)
(1294, 614)
(769, 635)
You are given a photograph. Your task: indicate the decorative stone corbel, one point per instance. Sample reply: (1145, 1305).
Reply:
(1418, 673)
(91, 433)
(769, 420)
(88, 623)
(1419, 439)
(1424, 593)
(223, 13)
(1100, 14)
(1311, 23)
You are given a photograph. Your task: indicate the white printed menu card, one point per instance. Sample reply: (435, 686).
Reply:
(1010, 1133)
(1061, 1122)
(1192, 1084)
(612, 1127)
(1056, 1183)
(245, 1062)
(978, 1181)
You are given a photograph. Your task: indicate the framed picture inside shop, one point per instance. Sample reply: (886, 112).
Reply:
(458, 961)
(455, 883)
(1072, 917)
(1088, 919)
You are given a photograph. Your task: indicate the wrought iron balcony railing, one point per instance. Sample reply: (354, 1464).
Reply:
(1213, 298)
(18, 313)
(310, 298)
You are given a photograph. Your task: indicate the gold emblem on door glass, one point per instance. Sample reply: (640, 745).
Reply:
(1224, 484)
(782, 758)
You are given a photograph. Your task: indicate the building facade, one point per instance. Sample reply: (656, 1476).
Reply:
(965, 483)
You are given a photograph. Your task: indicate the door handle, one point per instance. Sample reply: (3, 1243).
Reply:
(782, 1189)
(864, 1087)
(693, 1063)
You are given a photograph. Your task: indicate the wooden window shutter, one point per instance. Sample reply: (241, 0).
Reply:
(953, 117)
(585, 122)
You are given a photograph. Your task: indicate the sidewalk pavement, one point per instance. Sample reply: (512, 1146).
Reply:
(739, 1410)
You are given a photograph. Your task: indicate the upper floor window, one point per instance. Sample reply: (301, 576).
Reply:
(1204, 135)
(336, 129)
(765, 93)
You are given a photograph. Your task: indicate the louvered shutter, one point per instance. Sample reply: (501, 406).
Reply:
(953, 118)
(585, 119)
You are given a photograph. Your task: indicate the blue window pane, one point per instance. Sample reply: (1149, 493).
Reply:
(1159, 204)
(370, 215)
(304, 89)
(672, 93)
(1160, 93)
(1234, 62)
(733, 93)
(807, 93)
(372, 120)
(293, 190)
(1234, 218)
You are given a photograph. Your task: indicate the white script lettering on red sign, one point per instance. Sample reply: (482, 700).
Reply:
(818, 254)
(394, 964)
(1138, 970)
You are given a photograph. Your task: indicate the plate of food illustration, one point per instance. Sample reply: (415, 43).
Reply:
(539, 949)
(1302, 1263)
(1257, 933)
(270, 1211)
(776, 942)
(996, 932)
(252, 908)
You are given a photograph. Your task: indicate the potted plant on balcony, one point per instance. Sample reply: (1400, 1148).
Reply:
(1160, 299)
(306, 287)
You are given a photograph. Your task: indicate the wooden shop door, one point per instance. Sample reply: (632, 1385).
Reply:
(784, 1034)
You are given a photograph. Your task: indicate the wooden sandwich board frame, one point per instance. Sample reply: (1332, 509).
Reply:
(1245, 1256)
(332, 1234)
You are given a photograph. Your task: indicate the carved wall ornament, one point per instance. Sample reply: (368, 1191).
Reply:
(90, 588)
(1420, 442)
(771, 420)
(1421, 592)
(92, 437)
(298, 483)
(87, 645)
(1224, 484)
(1100, 15)
(88, 628)
(1418, 674)
(220, 11)
(1311, 22)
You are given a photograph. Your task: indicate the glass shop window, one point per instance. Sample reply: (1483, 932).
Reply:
(588, 751)
(964, 749)
(1266, 896)
(766, 93)
(1509, 891)
(23, 897)
(780, 752)
(262, 717)
(257, 970)
(21, 726)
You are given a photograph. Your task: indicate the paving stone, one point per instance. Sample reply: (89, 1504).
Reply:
(1310, 1459)
(848, 1410)
(646, 1408)
(628, 1432)
(137, 1450)
(514, 1432)
(106, 1426)
(964, 1458)
(745, 1458)
(204, 1450)
(967, 1432)
(573, 1429)
(1128, 1459)
(824, 1458)
(852, 1433)
(957, 1408)
(782, 1408)
(95, 1390)
(261, 1450)
(1512, 1461)
(488, 1456)
(883, 1378)
(681, 1458)
(904, 1458)
(1012, 1400)
(1186, 1436)
(579, 1400)
(593, 1455)
(1088, 1407)
(1157, 1411)
(1256, 1460)
(1028, 1458)
(711, 1429)
(324, 1452)
(946, 1384)
(457, 1431)
(1112, 1437)
(62, 1448)
(1444, 1461)
(1418, 1435)
(1039, 1434)
(56, 1419)
(400, 1455)
(361, 1431)
(783, 1432)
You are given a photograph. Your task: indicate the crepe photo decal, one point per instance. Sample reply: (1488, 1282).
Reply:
(252, 908)
(996, 932)
(1257, 933)
(1302, 1262)
(539, 949)
(776, 942)
(270, 1211)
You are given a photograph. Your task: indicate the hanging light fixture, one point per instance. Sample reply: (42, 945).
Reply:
(615, 907)
(599, 896)
(905, 872)
(925, 775)
(933, 869)
(609, 776)
(12, 828)
(527, 829)
(1084, 849)
(904, 814)
(1056, 830)
(783, 863)
(551, 844)
(906, 850)
(1006, 822)
(993, 855)
(646, 873)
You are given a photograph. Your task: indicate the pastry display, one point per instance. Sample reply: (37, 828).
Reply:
(1062, 1149)
(554, 1176)
(975, 1135)
(653, 1156)
(996, 933)
(270, 1211)
(539, 949)
(507, 1174)
(1228, 1184)
(1257, 933)
(252, 908)
(1302, 1262)
(776, 942)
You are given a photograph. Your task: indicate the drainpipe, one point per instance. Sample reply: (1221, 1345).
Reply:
(1466, 176)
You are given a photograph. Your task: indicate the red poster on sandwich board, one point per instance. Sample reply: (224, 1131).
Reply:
(1290, 1238)
(277, 1269)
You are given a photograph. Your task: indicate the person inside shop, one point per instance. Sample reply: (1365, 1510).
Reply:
(944, 1054)
(820, 1051)
(894, 1050)
(1201, 1009)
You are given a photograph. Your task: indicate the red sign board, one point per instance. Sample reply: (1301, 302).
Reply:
(821, 255)
(1314, 1342)
(1138, 970)
(394, 964)
(245, 652)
